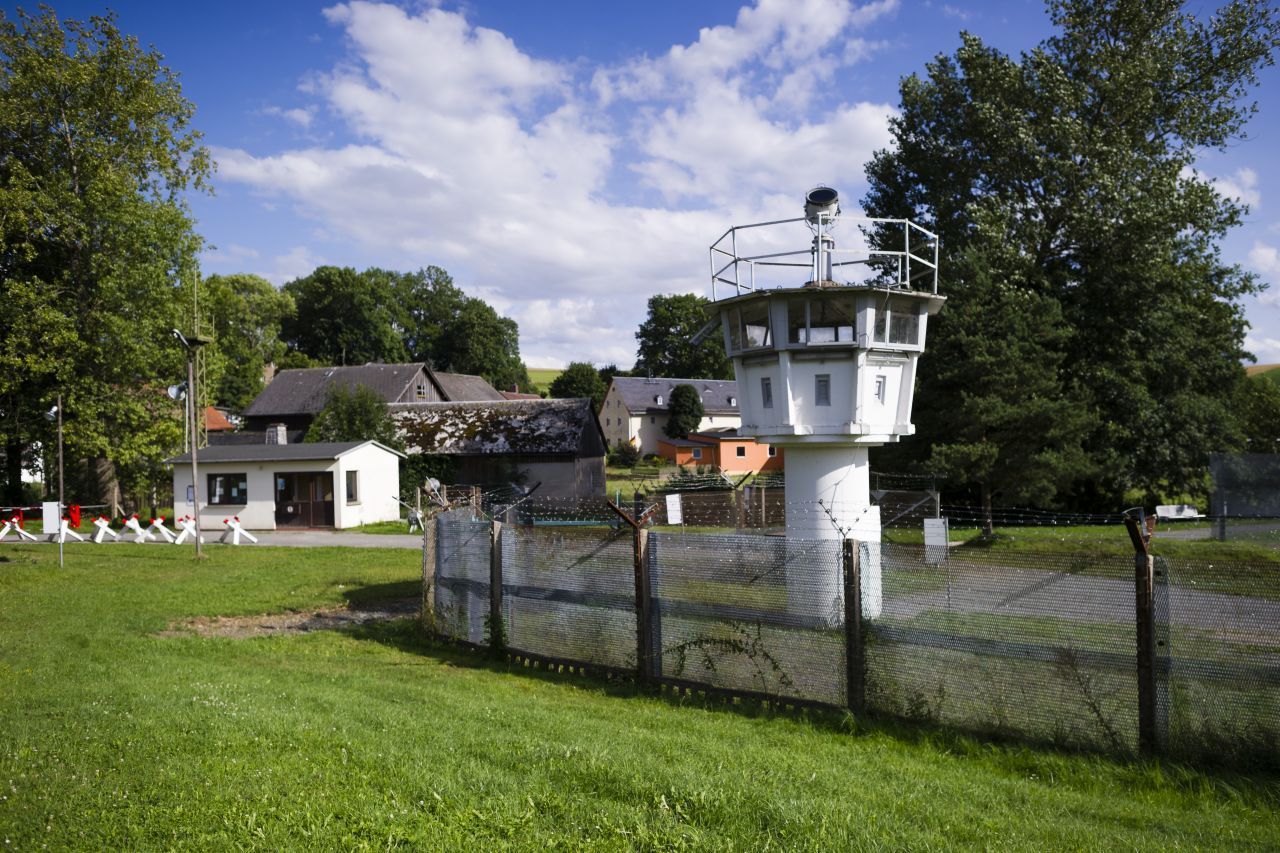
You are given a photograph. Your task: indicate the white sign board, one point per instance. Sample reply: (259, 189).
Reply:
(935, 540)
(674, 514)
(52, 521)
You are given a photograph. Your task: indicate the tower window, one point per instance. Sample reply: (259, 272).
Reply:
(822, 390)
(766, 392)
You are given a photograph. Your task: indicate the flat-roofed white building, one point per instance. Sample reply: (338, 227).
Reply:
(271, 486)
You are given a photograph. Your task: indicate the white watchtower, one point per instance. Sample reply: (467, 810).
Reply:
(826, 368)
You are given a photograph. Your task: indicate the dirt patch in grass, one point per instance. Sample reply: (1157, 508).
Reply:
(295, 622)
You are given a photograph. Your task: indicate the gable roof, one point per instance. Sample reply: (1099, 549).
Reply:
(303, 390)
(321, 451)
(639, 394)
(460, 387)
(497, 427)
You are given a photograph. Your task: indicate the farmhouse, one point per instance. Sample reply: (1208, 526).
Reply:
(636, 409)
(269, 486)
(557, 443)
(296, 396)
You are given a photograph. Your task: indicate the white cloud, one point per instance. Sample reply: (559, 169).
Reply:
(295, 263)
(513, 172)
(1265, 349)
(1242, 185)
(301, 117)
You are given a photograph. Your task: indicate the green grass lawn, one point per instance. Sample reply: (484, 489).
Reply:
(112, 737)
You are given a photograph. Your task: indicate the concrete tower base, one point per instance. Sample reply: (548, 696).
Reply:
(829, 497)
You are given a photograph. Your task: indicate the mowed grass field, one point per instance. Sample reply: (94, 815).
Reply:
(113, 736)
(542, 377)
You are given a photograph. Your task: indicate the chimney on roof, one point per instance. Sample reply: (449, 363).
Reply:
(277, 434)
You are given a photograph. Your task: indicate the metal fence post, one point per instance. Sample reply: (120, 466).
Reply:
(428, 614)
(1144, 603)
(855, 665)
(644, 614)
(497, 640)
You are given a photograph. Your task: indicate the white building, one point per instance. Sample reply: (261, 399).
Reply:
(637, 409)
(271, 486)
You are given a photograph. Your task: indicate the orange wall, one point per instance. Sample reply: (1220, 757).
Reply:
(725, 456)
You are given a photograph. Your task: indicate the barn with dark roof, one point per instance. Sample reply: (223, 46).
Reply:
(296, 396)
(557, 443)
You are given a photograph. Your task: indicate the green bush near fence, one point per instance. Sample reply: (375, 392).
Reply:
(115, 736)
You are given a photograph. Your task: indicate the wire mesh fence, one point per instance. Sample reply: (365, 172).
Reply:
(1221, 694)
(569, 593)
(749, 614)
(1036, 644)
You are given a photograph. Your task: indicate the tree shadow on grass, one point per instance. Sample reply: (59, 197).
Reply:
(361, 597)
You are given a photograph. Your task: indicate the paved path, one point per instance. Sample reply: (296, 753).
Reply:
(289, 539)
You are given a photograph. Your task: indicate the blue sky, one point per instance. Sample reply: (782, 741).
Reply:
(568, 160)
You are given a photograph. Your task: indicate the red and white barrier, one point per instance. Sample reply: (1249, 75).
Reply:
(14, 524)
(140, 535)
(104, 530)
(64, 530)
(187, 530)
(157, 524)
(235, 531)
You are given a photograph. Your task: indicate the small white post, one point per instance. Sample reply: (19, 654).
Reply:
(13, 525)
(235, 531)
(64, 530)
(140, 535)
(104, 530)
(157, 524)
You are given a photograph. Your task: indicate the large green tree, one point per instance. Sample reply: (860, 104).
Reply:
(664, 340)
(345, 317)
(245, 313)
(482, 342)
(96, 156)
(580, 379)
(1079, 157)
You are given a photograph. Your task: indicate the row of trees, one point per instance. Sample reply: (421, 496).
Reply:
(98, 263)
(339, 316)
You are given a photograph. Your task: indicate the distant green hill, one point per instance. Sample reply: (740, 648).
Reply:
(1270, 372)
(542, 377)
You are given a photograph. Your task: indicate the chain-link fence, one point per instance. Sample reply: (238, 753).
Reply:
(750, 614)
(1037, 645)
(1221, 697)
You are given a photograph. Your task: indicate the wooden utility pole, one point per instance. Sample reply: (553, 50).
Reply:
(645, 669)
(1144, 602)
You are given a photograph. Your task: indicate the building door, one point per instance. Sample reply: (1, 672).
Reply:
(304, 499)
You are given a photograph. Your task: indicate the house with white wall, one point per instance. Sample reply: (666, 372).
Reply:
(274, 486)
(636, 409)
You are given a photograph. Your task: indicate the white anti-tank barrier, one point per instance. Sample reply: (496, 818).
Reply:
(139, 534)
(104, 529)
(235, 531)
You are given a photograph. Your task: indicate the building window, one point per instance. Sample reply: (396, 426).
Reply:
(228, 489)
(653, 419)
(697, 453)
(773, 451)
(733, 401)
(880, 383)
(658, 400)
(898, 320)
(607, 422)
(353, 487)
(740, 451)
(766, 392)
(822, 390)
(422, 391)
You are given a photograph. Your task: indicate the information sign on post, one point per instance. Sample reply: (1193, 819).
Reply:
(52, 517)
(674, 514)
(935, 540)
